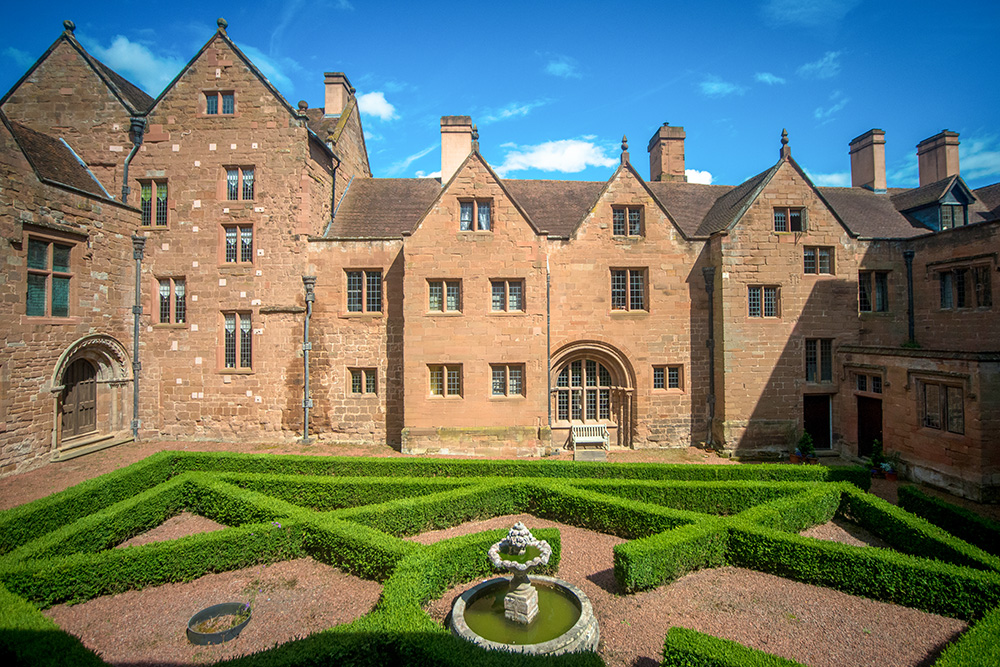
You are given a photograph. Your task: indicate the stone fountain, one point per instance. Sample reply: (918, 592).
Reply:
(543, 615)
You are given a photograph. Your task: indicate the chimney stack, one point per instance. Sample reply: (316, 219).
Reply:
(938, 157)
(456, 144)
(868, 161)
(666, 154)
(338, 93)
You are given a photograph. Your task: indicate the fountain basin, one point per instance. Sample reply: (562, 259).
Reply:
(565, 624)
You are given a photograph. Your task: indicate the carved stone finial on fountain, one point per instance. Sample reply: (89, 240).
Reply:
(521, 602)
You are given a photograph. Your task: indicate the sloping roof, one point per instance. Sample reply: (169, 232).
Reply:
(868, 214)
(557, 207)
(925, 195)
(131, 93)
(383, 207)
(688, 203)
(730, 206)
(989, 197)
(54, 161)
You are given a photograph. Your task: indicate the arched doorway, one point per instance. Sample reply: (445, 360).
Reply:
(593, 384)
(79, 399)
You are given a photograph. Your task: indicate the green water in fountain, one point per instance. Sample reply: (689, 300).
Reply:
(530, 552)
(557, 613)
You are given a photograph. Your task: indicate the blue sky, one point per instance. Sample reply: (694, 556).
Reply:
(553, 86)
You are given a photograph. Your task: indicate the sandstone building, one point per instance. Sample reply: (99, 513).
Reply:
(472, 313)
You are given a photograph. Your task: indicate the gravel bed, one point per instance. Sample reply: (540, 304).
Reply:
(841, 530)
(816, 626)
(181, 525)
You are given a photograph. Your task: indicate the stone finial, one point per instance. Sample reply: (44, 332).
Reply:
(303, 105)
(69, 26)
(222, 23)
(475, 138)
(624, 149)
(785, 150)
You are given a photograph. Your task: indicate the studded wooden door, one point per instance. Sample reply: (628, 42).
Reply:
(79, 405)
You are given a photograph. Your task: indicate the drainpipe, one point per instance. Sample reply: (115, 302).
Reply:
(908, 256)
(138, 245)
(310, 285)
(135, 133)
(708, 273)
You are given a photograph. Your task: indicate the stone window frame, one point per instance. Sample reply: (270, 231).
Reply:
(668, 377)
(370, 301)
(243, 254)
(220, 98)
(965, 287)
(445, 381)
(869, 383)
(363, 381)
(873, 291)
(757, 301)
(944, 417)
(175, 303)
(445, 304)
(629, 289)
(812, 260)
(50, 274)
(155, 211)
(505, 285)
(475, 208)
(242, 183)
(502, 383)
(622, 221)
(784, 219)
(950, 221)
(233, 345)
(819, 357)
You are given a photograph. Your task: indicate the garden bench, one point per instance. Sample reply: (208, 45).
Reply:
(589, 434)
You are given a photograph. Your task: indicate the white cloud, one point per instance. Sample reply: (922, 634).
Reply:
(137, 63)
(565, 155)
(433, 174)
(807, 13)
(838, 102)
(399, 167)
(375, 104)
(512, 110)
(840, 179)
(273, 68)
(826, 67)
(563, 67)
(906, 175)
(20, 58)
(372, 136)
(979, 158)
(695, 176)
(713, 86)
(768, 78)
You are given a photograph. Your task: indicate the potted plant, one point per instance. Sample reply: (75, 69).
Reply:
(796, 456)
(877, 459)
(888, 471)
(807, 448)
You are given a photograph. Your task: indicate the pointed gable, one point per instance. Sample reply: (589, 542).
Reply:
(730, 207)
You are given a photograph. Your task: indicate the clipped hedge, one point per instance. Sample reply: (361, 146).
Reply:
(910, 534)
(28, 637)
(28, 522)
(796, 513)
(977, 647)
(717, 498)
(958, 521)
(662, 558)
(689, 648)
(940, 588)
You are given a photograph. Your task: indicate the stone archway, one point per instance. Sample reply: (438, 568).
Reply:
(593, 382)
(91, 387)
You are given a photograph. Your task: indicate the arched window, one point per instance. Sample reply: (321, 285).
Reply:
(583, 392)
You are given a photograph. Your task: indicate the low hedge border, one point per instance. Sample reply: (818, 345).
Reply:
(977, 647)
(661, 558)
(28, 637)
(911, 534)
(689, 648)
(796, 513)
(958, 521)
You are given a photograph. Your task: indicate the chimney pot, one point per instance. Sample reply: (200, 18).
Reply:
(338, 93)
(937, 157)
(456, 144)
(666, 154)
(868, 161)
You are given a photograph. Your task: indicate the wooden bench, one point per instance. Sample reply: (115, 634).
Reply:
(589, 434)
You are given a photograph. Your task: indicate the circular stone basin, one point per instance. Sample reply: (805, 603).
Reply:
(565, 621)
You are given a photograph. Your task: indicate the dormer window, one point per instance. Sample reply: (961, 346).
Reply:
(220, 103)
(953, 215)
(789, 219)
(475, 216)
(626, 221)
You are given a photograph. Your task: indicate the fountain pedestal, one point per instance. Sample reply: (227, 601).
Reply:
(521, 603)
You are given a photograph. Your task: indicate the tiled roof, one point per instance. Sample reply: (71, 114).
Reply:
(989, 197)
(688, 203)
(320, 123)
(908, 200)
(55, 162)
(557, 207)
(729, 206)
(136, 98)
(383, 207)
(868, 214)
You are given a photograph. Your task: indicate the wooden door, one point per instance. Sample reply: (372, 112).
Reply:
(869, 423)
(79, 403)
(816, 420)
